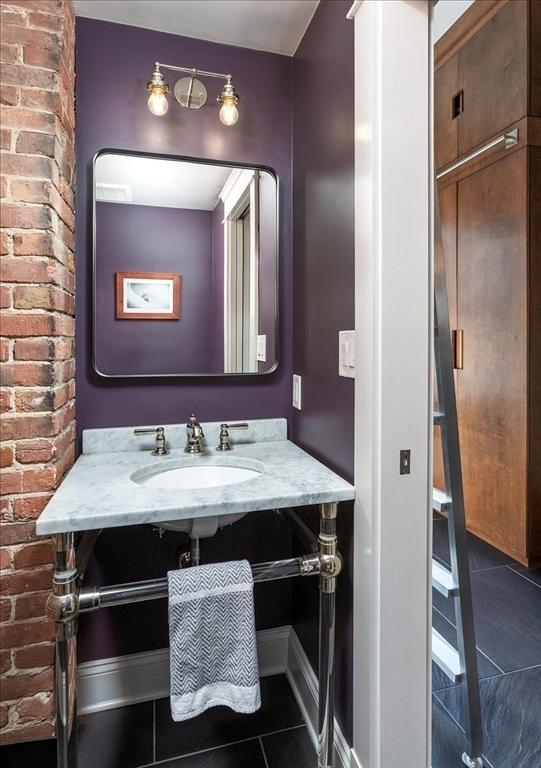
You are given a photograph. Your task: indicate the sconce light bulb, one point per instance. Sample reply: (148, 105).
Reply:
(157, 102)
(229, 114)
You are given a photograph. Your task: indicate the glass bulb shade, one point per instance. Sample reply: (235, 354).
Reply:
(157, 102)
(229, 114)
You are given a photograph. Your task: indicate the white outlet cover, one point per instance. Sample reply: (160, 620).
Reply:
(346, 354)
(297, 392)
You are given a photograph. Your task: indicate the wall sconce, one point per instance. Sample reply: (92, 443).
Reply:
(191, 93)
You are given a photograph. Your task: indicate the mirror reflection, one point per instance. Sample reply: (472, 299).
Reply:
(185, 267)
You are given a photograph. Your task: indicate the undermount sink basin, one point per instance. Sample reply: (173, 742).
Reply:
(190, 477)
(197, 473)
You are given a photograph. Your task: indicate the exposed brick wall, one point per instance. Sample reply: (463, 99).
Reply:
(37, 348)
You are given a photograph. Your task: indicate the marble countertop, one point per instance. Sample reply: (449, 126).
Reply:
(99, 491)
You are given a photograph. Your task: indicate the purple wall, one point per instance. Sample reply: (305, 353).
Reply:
(142, 238)
(323, 291)
(117, 117)
(267, 265)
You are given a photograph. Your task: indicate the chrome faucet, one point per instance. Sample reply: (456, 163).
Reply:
(195, 435)
(159, 446)
(225, 441)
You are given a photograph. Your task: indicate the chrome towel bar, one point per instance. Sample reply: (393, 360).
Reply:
(508, 139)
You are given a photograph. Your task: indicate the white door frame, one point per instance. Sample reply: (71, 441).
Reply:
(393, 397)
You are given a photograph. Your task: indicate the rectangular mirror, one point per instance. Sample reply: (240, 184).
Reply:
(185, 267)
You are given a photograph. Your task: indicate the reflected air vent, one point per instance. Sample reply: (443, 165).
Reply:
(114, 193)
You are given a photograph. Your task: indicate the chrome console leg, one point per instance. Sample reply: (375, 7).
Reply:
(330, 568)
(63, 609)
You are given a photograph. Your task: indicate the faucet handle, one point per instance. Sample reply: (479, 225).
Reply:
(225, 442)
(159, 448)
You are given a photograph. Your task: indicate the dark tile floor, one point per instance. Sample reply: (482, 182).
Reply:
(507, 616)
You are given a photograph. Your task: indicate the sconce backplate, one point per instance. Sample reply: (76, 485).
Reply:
(190, 93)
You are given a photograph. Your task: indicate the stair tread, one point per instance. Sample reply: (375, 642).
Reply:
(445, 656)
(442, 579)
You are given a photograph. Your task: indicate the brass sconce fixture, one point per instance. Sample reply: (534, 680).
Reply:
(191, 93)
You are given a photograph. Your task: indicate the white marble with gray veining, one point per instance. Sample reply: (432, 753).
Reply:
(119, 439)
(99, 491)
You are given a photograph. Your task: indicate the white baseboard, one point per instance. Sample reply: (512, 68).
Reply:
(123, 680)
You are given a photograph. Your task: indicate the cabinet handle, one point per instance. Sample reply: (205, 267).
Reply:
(458, 344)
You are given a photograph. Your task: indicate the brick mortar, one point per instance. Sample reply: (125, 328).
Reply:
(40, 124)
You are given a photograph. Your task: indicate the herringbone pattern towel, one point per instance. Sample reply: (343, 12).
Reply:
(212, 639)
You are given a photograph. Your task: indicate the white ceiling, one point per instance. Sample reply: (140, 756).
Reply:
(265, 25)
(446, 12)
(167, 183)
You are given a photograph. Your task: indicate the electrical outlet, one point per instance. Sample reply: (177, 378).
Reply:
(346, 354)
(262, 348)
(297, 392)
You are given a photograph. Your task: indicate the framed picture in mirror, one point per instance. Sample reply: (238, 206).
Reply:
(147, 295)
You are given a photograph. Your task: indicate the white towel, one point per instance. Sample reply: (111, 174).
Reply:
(212, 639)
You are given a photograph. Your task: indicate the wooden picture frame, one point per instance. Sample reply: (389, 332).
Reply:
(161, 290)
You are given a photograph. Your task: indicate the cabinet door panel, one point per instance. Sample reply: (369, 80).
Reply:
(445, 127)
(492, 387)
(448, 211)
(493, 71)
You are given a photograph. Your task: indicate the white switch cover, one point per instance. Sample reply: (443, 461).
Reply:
(346, 354)
(297, 392)
(262, 348)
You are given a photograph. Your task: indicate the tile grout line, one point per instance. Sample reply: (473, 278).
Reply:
(451, 717)
(222, 746)
(523, 576)
(263, 751)
(492, 662)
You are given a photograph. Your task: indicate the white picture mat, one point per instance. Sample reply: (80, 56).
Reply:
(161, 300)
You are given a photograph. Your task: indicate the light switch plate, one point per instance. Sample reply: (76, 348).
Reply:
(262, 348)
(297, 392)
(346, 354)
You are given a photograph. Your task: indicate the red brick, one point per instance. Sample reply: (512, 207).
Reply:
(41, 57)
(30, 190)
(48, 101)
(5, 562)
(9, 95)
(30, 732)
(32, 77)
(26, 216)
(33, 244)
(5, 138)
(29, 507)
(23, 119)
(20, 324)
(5, 661)
(20, 426)
(9, 54)
(33, 143)
(24, 270)
(35, 451)
(4, 350)
(26, 685)
(27, 374)
(17, 533)
(31, 37)
(37, 707)
(42, 297)
(36, 480)
(6, 610)
(4, 243)
(44, 20)
(6, 456)
(34, 349)
(5, 297)
(32, 606)
(34, 656)
(6, 400)
(32, 400)
(17, 582)
(11, 482)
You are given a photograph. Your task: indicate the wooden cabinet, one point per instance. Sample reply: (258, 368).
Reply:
(490, 209)
(487, 75)
(492, 386)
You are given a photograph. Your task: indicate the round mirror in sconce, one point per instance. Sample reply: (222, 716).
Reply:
(190, 92)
